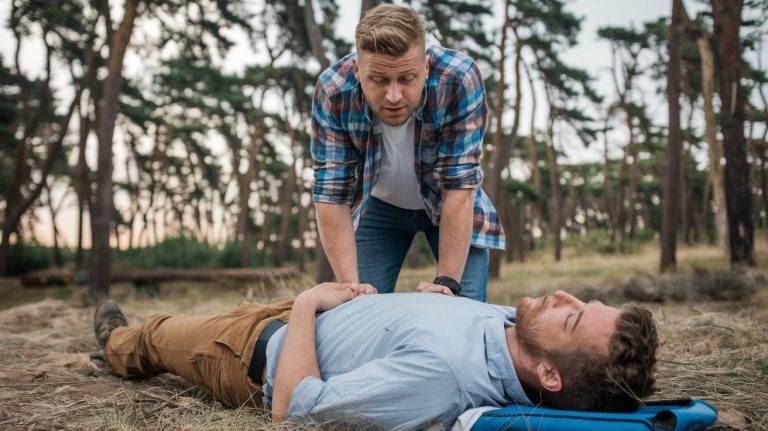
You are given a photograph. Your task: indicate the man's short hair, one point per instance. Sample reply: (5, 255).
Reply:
(389, 29)
(620, 381)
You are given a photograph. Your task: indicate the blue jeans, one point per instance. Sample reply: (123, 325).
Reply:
(383, 237)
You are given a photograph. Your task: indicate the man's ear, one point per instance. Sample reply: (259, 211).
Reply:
(549, 377)
(356, 66)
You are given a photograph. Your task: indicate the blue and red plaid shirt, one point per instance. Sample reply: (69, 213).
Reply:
(450, 124)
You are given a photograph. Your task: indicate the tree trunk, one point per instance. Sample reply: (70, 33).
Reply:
(500, 152)
(315, 37)
(727, 19)
(685, 201)
(322, 265)
(57, 256)
(530, 143)
(608, 202)
(366, 5)
(672, 171)
(714, 148)
(107, 107)
(18, 207)
(633, 171)
(83, 186)
(556, 198)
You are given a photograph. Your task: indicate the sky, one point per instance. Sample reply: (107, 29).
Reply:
(590, 53)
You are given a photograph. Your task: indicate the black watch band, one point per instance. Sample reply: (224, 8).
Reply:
(448, 282)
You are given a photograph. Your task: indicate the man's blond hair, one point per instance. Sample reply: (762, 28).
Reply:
(389, 29)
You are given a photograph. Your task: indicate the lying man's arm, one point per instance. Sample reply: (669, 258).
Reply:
(411, 388)
(298, 357)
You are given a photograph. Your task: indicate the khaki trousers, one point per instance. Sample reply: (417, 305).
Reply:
(212, 352)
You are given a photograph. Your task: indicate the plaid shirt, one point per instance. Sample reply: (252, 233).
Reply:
(450, 124)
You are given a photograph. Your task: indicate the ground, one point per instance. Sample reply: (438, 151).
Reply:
(51, 376)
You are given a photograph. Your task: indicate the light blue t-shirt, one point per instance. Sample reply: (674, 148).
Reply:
(404, 361)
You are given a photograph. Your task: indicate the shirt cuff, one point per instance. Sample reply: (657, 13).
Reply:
(470, 178)
(304, 398)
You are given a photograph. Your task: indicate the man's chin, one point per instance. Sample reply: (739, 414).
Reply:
(395, 120)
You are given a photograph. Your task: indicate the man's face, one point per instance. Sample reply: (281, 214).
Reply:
(560, 323)
(393, 85)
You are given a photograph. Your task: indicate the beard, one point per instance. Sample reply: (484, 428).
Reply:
(527, 328)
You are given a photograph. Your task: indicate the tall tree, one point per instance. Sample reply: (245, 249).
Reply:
(627, 45)
(714, 147)
(118, 40)
(63, 35)
(727, 23)
(671, 197)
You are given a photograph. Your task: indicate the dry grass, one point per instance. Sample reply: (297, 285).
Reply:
(50, 379)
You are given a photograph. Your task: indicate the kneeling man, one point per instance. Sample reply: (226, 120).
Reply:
(402, 361)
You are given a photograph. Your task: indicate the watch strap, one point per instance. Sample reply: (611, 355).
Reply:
(448, 282)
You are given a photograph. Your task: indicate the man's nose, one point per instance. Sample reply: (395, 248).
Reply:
(393, 93)
(565, 298)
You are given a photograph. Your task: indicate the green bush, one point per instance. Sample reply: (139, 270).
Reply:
(231, 256)
(23, 258)
(178, 252)
(599, 241)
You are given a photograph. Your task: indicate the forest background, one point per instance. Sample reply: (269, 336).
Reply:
(151, 141)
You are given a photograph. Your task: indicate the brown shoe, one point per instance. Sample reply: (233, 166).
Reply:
(106, 318)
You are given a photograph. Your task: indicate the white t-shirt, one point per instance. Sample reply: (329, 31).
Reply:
(397, 183)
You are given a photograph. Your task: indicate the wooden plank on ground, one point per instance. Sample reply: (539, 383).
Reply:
(51, 277)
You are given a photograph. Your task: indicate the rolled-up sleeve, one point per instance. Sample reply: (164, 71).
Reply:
(408, 389)
(461, 135)
(334, 156)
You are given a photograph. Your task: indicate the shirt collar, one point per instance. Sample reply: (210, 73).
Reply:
(499, 361)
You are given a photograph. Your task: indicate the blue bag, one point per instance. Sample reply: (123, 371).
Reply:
(676, 415)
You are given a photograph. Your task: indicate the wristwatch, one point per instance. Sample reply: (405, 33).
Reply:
(448, 282)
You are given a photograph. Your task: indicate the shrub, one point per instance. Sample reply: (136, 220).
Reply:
(23, 258)
(178, 252)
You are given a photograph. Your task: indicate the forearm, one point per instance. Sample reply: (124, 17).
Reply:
(298, 357)
(334, 222)
(455, 232)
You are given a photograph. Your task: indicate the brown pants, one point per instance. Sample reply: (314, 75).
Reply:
(212, 352)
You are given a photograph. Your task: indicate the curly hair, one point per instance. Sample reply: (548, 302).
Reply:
(621, 380)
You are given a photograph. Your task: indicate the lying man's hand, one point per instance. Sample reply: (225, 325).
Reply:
(326, 296)
(425, 287)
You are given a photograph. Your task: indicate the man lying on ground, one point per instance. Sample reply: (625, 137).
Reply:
(401, 361)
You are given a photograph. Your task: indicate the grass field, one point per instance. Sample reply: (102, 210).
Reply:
(713, 350)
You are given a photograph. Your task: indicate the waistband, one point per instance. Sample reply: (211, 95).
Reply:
(259, 358)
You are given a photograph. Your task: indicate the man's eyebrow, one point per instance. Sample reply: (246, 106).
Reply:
(578, 318)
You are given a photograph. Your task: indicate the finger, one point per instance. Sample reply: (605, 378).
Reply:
(439, 289)
(423, 285)
(367, 289)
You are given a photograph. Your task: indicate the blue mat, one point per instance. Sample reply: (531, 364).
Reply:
(677, 415)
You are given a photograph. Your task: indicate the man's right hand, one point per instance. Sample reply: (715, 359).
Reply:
(326, 296)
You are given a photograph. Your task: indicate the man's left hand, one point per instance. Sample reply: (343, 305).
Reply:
(326, 296)
(425, 287)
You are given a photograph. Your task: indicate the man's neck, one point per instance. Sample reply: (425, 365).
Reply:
(524, 364)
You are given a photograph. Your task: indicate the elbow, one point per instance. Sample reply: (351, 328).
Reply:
(278, 416)
(458, 199)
